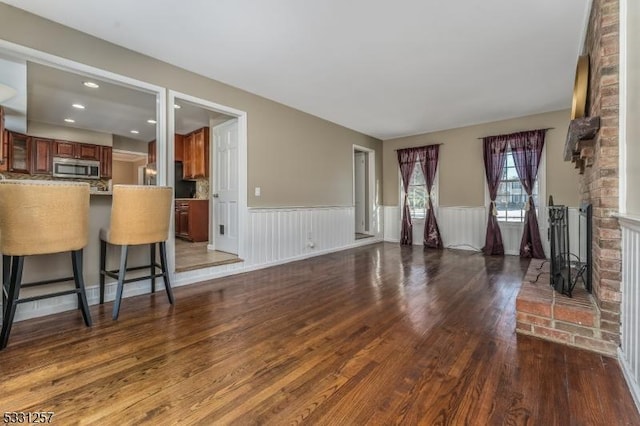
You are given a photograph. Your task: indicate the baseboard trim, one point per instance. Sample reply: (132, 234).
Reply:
(179, 280)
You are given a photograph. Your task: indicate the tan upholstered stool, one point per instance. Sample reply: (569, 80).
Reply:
(139, 215)
(41, 217)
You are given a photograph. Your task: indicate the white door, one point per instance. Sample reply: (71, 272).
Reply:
(225, 187)
(359, 189)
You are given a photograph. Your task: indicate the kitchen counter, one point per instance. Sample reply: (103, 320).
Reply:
(100, 193)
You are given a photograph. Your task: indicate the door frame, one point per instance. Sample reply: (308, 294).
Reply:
(371, 187)
(241, 116)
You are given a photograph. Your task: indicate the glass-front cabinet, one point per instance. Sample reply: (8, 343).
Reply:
(19, 153)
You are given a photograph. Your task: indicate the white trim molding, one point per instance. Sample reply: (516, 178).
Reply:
(629, 351)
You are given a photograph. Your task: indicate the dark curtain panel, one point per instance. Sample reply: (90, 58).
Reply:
(526, 148)
(494, 150)
(428, 158)
(407, 161)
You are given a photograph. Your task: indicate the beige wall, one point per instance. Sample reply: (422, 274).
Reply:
(122, 172)
(633, 108)
(461, 167)
(297, 159)
(127, 144)
(50, 131)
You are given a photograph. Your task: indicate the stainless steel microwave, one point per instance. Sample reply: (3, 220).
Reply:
(78, 169)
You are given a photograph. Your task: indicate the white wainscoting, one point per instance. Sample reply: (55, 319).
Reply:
(629, 351)
(465, 228)
(281, 235)
(392, 221)
(462, 227)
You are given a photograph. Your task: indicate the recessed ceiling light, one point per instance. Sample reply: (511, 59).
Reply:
(69, 120)
(135, 132)
(151, 121)
(176, 106)
(91, 84)
(78, 106)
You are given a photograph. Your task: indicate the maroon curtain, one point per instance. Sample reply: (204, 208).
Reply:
(407, 161)
(526, 148)
(428, 158)
(494, 150)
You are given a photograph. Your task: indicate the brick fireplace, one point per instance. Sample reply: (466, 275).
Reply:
(590, 321)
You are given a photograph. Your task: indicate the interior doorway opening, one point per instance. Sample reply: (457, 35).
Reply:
(363, 191)
(206, 180)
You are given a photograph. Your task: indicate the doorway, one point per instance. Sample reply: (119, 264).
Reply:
(207, 164)
(363, 191)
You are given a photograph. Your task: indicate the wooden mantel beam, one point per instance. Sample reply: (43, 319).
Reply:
(580, 129)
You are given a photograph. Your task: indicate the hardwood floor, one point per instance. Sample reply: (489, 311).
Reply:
(378, 334)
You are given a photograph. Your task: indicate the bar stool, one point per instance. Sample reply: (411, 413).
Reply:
(41, 217)
(139, 215)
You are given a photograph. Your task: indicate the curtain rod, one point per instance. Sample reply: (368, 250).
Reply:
(548, 128)
(409, 147)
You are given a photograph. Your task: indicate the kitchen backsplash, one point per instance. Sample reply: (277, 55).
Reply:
(96, 184)
(202, 189)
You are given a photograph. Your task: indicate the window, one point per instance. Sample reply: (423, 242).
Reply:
(417, 194)
(512, 198)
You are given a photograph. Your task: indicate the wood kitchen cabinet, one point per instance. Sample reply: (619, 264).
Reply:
(86, 151)
(4, 161)
(179, 147)
(19, 155)
(3, 142)
(151, 152)
(106, 162)
(196, 154)
(192, 220)
(64, 149)
(82, 151)
(41, 157)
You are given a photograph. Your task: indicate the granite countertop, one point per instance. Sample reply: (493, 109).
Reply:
(192, 199)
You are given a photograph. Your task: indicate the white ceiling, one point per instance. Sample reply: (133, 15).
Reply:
(383, 68)
(111, 108)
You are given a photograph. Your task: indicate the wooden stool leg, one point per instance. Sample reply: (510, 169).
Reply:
(103, 262)
(121, 275)
(76, 260)
(12, 297)
(152, 269)
(165, 272)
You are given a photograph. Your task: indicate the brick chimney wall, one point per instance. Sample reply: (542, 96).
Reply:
(599, 184)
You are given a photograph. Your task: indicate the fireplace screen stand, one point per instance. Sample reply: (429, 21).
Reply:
(566, 268)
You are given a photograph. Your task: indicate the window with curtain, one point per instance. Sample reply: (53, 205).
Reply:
(512, 198)
(418, 203)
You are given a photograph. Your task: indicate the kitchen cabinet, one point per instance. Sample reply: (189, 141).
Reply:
(4, 161)
(192, 220)
(151, 152)
(64, 149)
(3, 142)
(179, 147)
(85, 151)
(106, 162)
(19, 153)
(196, 154)
(41, 158)
(82, 151)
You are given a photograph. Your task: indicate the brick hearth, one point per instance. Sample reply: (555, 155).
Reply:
(544, 313)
